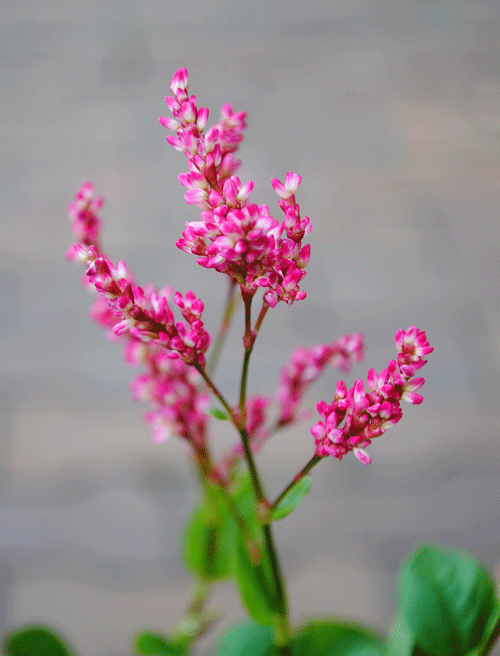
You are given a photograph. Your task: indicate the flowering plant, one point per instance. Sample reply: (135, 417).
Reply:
(447, 605)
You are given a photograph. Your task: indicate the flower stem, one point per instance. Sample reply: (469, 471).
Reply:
(196, 620)
(248, 344)
(282, 627)
(231, 304)
(216, 392)
(282, 632)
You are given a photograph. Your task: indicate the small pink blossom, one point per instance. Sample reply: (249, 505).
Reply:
(355, 417)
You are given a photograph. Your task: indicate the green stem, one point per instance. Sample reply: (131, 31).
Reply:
(305, 470)
(282, 628)
(254, 475)
(195, 621)
(216, 392)
(282, 625)
(262, 314)
(231, 303)
(248, 344)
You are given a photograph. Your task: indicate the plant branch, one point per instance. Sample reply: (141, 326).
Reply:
(231, 304)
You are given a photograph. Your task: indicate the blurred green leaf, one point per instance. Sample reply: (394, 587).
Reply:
(255, 584)
(156, 644)
(292, 499)
(218, 414)
(490, 625)
(445, 598)
(207, 540)
(35, 641)
(247, 639)
(335, 638)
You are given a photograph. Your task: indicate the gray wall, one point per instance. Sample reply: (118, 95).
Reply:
(390, 111)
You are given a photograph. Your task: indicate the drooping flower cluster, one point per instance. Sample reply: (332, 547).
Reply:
(233, 236)
(368, 414)
(307, 365)
(144, 314)
(172, 390)
(169, 385)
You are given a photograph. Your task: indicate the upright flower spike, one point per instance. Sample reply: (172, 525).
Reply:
(355, 417)
(85, 223)
(234, 236)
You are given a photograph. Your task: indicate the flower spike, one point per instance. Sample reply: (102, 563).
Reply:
(356, 417)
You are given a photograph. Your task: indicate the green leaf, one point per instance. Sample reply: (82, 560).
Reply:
(490, 625)
(156, 644)
(255, 581)
(247, 640)
(35, 641)
(218, 414)
(445, 598)
(292, 498)
(335, 638)
(255, 584)
(207, 539)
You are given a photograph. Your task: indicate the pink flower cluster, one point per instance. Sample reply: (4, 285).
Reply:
(307, 365)
(169, 384)
(367, 415)
(252, 248)
(233, 236)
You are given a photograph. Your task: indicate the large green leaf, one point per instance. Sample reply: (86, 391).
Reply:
(445, 598)
(317, 638)
(247, 639)
(254, 580)
(207, 539)
(292, 498)
(156, 644)
(335, 638)
(35, 641)
(255, 584)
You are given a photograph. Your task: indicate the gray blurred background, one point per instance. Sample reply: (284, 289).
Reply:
(390, 110)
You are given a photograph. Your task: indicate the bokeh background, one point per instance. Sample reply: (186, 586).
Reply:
(390, 110)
